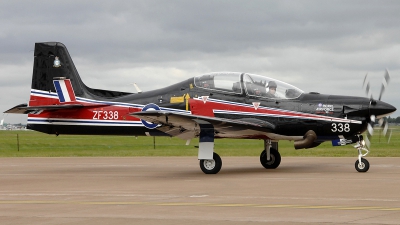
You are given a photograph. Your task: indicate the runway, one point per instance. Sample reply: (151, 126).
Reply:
(173, 190)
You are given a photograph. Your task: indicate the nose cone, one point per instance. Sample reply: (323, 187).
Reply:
(381, 109)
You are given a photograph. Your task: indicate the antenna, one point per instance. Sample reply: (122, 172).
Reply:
(137, 88)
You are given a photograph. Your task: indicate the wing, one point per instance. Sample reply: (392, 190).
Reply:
(186, 126)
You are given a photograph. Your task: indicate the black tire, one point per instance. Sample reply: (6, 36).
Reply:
(364, 167)
(274, 161)
(212, 166)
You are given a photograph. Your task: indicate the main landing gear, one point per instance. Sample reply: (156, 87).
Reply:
(211, 163)
(211, 166)
(270, 158)
(361, 165)
(273, 162)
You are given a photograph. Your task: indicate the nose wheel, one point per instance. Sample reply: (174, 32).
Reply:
(361, 165)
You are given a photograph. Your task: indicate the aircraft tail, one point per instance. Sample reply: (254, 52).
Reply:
(53, 62)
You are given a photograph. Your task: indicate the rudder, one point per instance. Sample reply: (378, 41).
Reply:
(45, 68)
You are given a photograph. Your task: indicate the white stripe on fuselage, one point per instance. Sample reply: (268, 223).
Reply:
(279, 112)
(325, 118)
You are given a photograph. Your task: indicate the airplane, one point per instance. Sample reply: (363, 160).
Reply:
(213, 105)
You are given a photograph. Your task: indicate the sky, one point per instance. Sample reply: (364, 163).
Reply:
(317, 46)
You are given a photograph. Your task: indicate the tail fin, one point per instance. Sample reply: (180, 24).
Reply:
(52, 62)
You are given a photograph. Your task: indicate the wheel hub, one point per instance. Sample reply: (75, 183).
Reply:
(209, 164)
(272, 160)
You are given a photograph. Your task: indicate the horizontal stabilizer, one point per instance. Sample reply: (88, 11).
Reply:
(25, 109)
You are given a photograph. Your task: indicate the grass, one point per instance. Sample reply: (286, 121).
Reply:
(35, 144)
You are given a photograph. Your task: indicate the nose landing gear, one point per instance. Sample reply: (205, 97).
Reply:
(361, 165)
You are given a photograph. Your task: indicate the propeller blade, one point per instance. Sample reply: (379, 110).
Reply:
(385, 82)
(370, 130)
(381, 121)
(390, 135)
(365, 79)
(367, 86)
(367, 141)
(385, 128)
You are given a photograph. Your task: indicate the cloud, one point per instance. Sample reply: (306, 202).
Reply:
(324, 46)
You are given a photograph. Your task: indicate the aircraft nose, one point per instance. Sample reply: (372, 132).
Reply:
(381, 109)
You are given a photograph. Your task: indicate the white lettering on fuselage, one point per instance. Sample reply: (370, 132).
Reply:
(340, 127)
(105, 115)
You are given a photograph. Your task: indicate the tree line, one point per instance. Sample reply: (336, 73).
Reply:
(393, 120)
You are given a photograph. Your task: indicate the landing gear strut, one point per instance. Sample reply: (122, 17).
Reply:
(361, 165)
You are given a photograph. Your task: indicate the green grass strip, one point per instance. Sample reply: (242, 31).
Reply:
(35, 144)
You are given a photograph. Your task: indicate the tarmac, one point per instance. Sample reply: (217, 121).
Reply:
(173, 190)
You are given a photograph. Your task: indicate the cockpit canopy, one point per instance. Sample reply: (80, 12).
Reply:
(250, 84)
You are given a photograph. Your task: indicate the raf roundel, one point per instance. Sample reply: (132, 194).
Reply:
(150, 107)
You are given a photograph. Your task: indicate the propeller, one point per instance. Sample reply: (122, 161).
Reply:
(385, 127)
(385, 82)
(382, 121)
(366, 86)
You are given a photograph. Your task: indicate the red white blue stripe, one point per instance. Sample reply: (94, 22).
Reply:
(64, 90)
